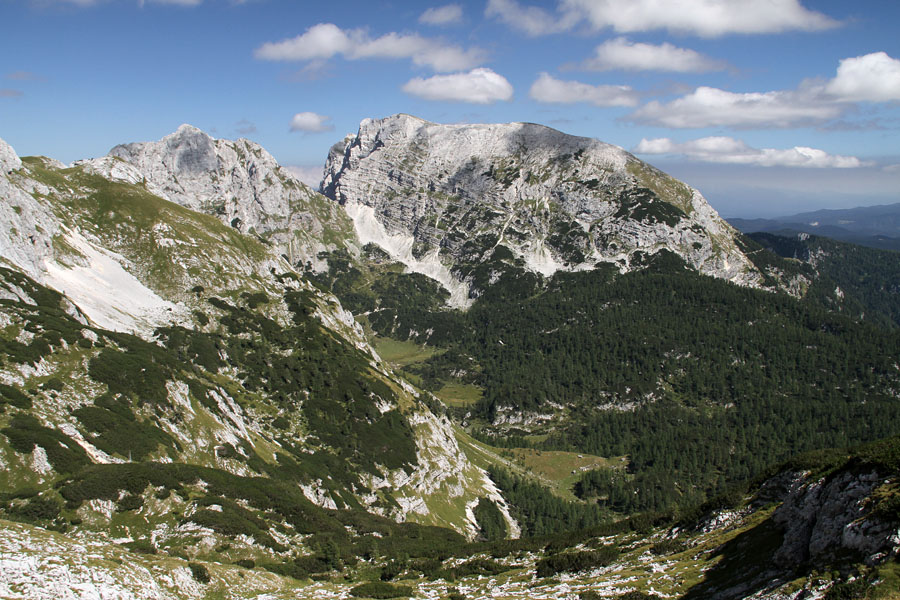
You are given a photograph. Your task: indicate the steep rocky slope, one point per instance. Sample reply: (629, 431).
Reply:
(136, 331)
(439, 196)
(236, 181)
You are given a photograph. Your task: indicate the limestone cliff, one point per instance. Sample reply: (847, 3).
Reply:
(427, 192)
(239, 182)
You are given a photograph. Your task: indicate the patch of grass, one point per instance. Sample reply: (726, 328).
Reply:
(459, 394)
(558, 468)
(401, 353)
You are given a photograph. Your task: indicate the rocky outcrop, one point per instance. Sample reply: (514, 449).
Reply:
(829, 516)
(436, 195)
(236, 181)
(28, 225)
(9, 160)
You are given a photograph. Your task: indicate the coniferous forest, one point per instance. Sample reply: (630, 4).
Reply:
(699, 383)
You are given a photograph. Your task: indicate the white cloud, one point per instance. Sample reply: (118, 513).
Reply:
(478, 86)
(712, 107)
(310, 122)
(320, 41)
(326, 40)
(311, 175)
(720, 149)
(707, 18)
(442, 15)
(529, 19)
(870, 78)
(620, 53)
(874, 78)
(8, 93)
(550, 90)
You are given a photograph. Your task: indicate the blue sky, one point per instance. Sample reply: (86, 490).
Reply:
(767, 106)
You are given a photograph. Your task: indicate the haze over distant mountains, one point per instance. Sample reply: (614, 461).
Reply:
(874, 226)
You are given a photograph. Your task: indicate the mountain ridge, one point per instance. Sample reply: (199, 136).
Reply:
(415, 188)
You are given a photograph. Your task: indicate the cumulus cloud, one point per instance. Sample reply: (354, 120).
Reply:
(870, 78)
(620, 53)
(529, 19)
(707, 18)
(311, 122)
(326, 40)
(442, 15)
(720, 149)
(712, 107)
(478, 86)
(311, 175)
(874, 78)
(550, 90)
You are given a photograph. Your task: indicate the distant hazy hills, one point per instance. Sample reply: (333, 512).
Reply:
(874, 226)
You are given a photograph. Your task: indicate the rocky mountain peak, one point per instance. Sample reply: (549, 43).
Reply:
(240, 183)
(427, 192)
(9, 160)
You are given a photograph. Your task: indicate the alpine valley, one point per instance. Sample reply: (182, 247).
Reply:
(482, 361)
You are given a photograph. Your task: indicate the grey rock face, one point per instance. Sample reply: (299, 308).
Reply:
(423, 191)
(26, 237)
(242, 185)
(9, 160)
(826, 517)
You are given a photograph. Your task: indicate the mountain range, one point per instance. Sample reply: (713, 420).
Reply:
(874, 226)
(479, 354)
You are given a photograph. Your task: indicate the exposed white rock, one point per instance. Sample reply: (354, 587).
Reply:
(422, 191)
(319, 495)
(400, 246)
(112, 297)
(39, 462)
(9, 160)
(239, 183)
(112, 168)
(26, 237)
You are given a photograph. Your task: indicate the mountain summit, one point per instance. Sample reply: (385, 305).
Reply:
(435, 196)
(238, 182)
